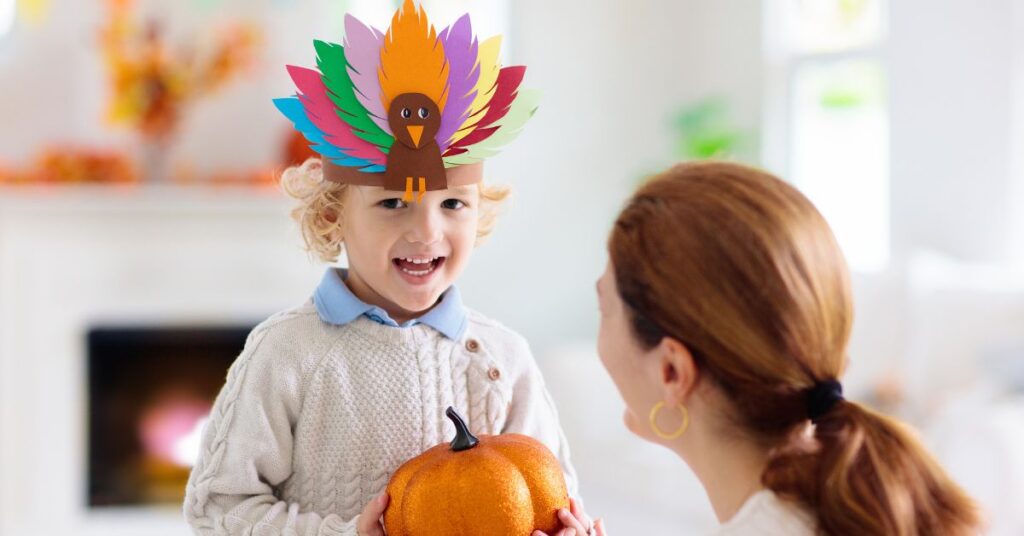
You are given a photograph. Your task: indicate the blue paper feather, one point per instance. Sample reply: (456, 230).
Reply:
(292, 108)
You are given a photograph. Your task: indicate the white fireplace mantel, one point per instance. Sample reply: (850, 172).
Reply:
(71, 257)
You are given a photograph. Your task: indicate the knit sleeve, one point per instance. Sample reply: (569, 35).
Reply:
(532, 412)
(246, 452)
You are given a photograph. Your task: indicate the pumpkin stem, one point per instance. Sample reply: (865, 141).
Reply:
(464, 439)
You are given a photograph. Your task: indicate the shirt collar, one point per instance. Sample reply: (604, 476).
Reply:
(336, 304)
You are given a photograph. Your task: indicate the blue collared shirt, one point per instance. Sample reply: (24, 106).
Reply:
(336, 304)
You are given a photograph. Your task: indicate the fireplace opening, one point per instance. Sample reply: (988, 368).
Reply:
(150, 392)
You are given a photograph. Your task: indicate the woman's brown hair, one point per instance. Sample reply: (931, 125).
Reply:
(742, 269)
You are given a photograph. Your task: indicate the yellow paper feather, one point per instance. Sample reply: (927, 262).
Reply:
(489, 67)
(412, 59)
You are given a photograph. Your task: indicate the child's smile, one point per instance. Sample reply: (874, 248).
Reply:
(418, 270)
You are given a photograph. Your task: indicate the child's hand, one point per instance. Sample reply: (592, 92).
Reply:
(576, 523)
(369, 521)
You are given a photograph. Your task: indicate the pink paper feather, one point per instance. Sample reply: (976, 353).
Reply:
(362, 51)
(321, 111)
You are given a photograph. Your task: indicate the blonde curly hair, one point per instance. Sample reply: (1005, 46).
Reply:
(320, 209)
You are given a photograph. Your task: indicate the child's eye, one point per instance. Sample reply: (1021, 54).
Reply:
(453, 204)
(392, 203)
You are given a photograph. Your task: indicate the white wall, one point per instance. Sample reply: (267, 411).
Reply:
(1016, 198)
(950, 95)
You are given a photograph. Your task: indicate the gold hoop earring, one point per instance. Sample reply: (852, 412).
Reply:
(679, 431)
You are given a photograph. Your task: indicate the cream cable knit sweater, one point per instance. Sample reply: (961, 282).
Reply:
(314, 417)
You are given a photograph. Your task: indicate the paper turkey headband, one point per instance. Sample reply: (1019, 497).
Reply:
(410, 109)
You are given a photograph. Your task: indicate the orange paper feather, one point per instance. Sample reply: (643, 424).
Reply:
(412, 59)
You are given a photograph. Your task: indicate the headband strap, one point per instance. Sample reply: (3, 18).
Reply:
(457, 176)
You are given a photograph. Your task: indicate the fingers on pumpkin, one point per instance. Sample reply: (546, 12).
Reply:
(574, 507)
(568, 519)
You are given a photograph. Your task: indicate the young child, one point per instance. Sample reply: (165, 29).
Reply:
(328, 399)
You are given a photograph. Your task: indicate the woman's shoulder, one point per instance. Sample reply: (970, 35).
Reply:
(767, 514)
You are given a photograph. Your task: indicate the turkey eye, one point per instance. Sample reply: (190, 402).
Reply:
(406, 113)
(424, 113)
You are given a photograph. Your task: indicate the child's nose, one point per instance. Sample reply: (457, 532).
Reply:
(426, 227)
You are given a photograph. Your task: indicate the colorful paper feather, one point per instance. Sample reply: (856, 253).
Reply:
(321, 112)
(342, 109)
(363, 45)
(332, 63)
(293, 109)
(461, 49)
(412, 59)
(489, 69)
(508, 128)
(504, 94)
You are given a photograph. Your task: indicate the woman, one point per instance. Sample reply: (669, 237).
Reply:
(725, 315)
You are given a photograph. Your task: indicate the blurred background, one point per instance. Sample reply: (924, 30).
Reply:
(142, 234)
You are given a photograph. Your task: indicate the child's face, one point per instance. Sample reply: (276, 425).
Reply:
(383, 234)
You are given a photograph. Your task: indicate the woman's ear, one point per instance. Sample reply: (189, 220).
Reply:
(677, 369)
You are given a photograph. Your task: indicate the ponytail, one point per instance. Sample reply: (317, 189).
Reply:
(864, 473)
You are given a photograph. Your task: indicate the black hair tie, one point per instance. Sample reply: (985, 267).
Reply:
(822, 398)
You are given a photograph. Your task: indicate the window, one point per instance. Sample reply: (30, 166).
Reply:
(8, 10)
(826, 124)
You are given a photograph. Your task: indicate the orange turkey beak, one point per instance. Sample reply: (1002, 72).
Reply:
(415, 131)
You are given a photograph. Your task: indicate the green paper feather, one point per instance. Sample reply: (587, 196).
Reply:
(509, 127)
(334, 67)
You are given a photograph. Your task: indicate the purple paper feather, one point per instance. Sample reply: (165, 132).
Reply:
(460, 48)
(362, 51)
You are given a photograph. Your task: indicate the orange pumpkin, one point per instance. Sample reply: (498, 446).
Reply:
(508, 484)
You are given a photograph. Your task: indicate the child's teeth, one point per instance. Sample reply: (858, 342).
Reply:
(417, 272)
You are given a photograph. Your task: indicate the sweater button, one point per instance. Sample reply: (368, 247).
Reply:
(494, 374)
(472, 345)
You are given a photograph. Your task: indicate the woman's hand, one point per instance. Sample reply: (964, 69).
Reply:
(575, 523)
(369, 520)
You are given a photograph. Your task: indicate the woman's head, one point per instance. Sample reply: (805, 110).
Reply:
(738, 267)
(726, 292)
(404, 255)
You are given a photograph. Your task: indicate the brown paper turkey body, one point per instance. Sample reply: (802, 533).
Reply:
(414, 161)
(410, 110)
